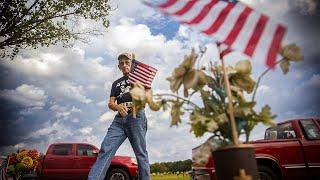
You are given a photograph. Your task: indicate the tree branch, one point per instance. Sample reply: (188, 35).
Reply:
(181, 98)
(14, 22)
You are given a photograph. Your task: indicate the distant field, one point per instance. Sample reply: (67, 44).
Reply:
(170, 177)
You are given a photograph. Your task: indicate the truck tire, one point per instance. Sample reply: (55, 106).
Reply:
(118, 174)
(266, 173)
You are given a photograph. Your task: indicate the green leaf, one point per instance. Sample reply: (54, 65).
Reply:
(285, 64)
(189, 60)
(243, 67)
(176, 113)
(266, 116)
(243, 81)
(198, 129)
(190, 79)
(291, 52)
(210, 102)
(175, 83)
(212, 126)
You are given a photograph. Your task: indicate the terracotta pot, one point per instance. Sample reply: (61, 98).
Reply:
(237, 162)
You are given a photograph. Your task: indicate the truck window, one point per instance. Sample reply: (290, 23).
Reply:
(282, 131)
(62, 149)
(85, 150)
(310, 129)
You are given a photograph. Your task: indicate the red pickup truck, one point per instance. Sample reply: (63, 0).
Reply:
(74, 160)
(289, 151)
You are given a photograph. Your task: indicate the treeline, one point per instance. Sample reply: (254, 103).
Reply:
(176, 166)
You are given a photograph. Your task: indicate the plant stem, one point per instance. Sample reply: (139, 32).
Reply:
(173, 95)
(230, 106)
(259, 79)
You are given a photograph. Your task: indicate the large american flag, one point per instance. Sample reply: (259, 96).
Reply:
(231, 23)
(143, 73)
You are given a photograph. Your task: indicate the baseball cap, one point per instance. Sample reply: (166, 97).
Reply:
(127, 55)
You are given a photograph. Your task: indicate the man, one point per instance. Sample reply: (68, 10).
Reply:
(123, 126)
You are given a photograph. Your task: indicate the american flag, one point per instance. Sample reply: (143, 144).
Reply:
(231, 23)
(223, 49)
(143, 73)
(3, 168)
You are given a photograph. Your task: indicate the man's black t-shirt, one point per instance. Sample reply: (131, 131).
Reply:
(121, 90)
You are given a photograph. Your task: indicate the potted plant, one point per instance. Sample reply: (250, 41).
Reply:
(217, 108)
(23, 164)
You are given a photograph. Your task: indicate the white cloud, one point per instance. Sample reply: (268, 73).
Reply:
(307, 6)
(76, 110)
(75, 120)
(108, 116)
(263, 89)
(86, 130)
(44, 131)
(62, 114)
(72, 91)
(74, 79)
(314, 81)
(138, 39)
(101, 103)
(26, 95)
(136, 9)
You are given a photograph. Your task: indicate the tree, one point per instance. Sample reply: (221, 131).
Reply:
(181, 166)
(34, 23)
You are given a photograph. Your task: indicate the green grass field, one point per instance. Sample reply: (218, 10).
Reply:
(170, 177)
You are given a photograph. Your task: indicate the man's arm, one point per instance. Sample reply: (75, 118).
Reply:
(116, 107)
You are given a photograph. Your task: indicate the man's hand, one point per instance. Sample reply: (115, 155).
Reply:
(122, 109)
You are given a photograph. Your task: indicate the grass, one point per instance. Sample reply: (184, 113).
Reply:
(170, 177)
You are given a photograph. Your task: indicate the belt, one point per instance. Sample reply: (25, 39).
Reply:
(127, 104)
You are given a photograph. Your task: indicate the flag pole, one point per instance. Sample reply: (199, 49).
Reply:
(230, 106)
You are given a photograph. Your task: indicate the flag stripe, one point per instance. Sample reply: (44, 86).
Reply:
(146, 66)
(142, 76)
(223, 49)
(221, 17)
(133, 79)
(191, 13)
(135, 76)
(186, 8)
(150, 68)
(211, 17)
(3, 174)
(147, 69)
(275, 45)
(256, 35)
(178, 5)
(168, 4)
(238, 26)
(265, 42)
(143, 73)
(203, 13)
(231, 20)
(246, 32)
(231, 23)
(146, 75)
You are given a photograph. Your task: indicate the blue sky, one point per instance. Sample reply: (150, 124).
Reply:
(57, 94)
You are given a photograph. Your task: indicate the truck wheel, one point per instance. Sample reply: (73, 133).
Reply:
(118, 174)
(266, 173)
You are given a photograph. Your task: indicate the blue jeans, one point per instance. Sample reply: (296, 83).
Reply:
(121, 128)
